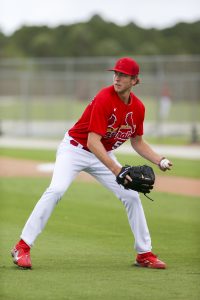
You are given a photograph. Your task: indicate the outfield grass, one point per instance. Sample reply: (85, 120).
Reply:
(86, 250)
(65, 108)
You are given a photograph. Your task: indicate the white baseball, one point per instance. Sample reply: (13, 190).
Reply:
(165, 164)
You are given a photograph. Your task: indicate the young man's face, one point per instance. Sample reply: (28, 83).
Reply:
(123, 82)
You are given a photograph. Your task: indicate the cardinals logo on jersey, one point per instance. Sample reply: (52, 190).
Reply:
(112, 128)
(125, 131)
(122, 132)
(111, 123)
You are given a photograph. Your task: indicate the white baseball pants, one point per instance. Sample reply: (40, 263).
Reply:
(70, 160)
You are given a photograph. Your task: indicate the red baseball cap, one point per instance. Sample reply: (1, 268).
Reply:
(127, 66)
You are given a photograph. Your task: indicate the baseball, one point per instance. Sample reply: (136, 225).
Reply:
(165, 164)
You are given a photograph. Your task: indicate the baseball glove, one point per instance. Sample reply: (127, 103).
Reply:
(142, 177)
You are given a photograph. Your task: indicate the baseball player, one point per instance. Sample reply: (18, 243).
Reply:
(111, 118)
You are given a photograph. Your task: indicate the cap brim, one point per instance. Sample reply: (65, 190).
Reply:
(117, 70)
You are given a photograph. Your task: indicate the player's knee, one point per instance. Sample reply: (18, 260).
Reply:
(129, 197)
(56, 191)
(128, 194)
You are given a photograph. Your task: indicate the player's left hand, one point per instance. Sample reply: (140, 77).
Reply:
(142, 178)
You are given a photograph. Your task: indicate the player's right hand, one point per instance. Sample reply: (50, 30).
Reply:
(165, 164)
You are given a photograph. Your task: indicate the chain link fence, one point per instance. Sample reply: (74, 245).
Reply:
(43, 97)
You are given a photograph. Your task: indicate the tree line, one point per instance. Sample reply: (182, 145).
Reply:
(98, 37)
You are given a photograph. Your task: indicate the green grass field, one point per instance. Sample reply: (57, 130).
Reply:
(71, 109)
(184, 168)
(86, 250)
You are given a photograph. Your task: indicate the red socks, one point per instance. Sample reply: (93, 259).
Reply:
(22, 244)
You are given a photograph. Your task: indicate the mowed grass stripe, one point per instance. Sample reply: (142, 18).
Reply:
(86, 250)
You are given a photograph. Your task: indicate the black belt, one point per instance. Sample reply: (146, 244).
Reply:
(76, 144)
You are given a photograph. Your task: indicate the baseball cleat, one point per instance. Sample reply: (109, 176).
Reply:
(149, 260)
(21, 257)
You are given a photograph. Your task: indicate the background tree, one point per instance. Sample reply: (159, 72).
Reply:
(98, 37)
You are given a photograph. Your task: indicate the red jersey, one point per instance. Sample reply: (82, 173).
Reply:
(108, 116)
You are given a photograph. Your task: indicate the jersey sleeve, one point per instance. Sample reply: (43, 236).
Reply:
(99, 115)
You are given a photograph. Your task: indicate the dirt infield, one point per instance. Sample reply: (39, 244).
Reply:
(11, 167)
